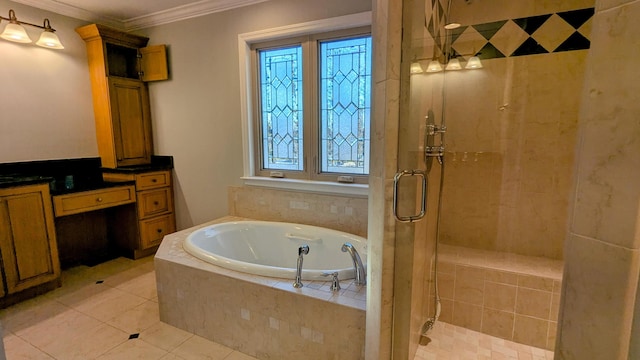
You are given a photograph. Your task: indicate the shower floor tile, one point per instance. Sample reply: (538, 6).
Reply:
(455, 342)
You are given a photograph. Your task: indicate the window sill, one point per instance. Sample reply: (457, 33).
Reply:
(318, 187)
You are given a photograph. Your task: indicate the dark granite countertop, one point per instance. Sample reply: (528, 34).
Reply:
(72, 175)
(158, 163)
(7, 181)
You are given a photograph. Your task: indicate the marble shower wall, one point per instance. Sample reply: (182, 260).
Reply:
(600, 306)
(511, 126)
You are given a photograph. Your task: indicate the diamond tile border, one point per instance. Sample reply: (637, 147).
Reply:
(575, 40)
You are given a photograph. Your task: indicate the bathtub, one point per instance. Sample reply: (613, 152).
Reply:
(271, 249)
(262, 316)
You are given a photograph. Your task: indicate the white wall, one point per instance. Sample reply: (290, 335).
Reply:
(196, 114)
(45, 95)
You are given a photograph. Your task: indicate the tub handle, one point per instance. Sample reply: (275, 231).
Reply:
(423, 199)
(291, 236)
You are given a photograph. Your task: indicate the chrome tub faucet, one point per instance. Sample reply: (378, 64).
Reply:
(361, 274)
(302, 250)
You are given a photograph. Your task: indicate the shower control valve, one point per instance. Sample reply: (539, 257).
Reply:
(434, 150)
(432, 129)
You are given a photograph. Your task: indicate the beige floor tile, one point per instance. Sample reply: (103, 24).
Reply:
(64, 327)
(455, 342)
(88, 345)
(236, 355)
(137, 319)
(171, 356)
(29, 313)
(143, 285)
(18, 349)
(198, 348)
(81, 295)
(108, 304)
(133, 349)
(165, 336)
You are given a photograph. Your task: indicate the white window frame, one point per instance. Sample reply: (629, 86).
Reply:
(246, 106)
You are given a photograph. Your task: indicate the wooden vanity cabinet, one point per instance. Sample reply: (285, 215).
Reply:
(154, 215)
(27, 238)
(119, 66)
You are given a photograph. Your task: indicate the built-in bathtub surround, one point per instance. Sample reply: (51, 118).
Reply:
(513, 297)
(260, 316)
(338, 212)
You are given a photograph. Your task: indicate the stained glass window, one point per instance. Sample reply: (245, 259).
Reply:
(345, 105)
(331, 102)
(281, 108)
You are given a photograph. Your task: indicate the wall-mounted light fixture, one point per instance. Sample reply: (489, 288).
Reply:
(14, 31)
(435, 66)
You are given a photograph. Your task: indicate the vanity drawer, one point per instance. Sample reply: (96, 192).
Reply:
(154, 202)
(93, 200)
(152, 231)
(153, 180)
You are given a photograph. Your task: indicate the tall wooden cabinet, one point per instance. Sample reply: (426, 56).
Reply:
(27, 238)
(120, 64)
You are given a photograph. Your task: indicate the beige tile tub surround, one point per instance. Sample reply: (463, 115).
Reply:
(260, 316)
(338, 212)
(509, 296)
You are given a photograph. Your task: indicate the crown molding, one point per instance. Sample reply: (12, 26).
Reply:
(72, 11)
(199, 8)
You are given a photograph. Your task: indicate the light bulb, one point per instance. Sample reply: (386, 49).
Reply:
(434, 66)
(474, 63)
(49, 40)
(454, 64)
(16, 33)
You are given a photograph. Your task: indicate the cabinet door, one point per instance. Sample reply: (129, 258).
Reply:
(153, 63)
(131, 121)
(27, 237)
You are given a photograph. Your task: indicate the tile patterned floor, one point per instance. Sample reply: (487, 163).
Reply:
(457, 343)
(110, 311)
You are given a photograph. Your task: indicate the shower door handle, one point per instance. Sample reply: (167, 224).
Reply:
(396, 180)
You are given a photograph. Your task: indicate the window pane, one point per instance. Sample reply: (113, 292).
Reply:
(345, 103)
(281, 108)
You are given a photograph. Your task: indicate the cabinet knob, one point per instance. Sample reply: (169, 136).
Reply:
(155, 203)
(159, 231)
(99, 199)
(154, 180)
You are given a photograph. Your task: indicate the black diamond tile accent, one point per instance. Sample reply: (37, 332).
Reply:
(529, 47)
(439, 43)
(532, 23)
(134, 336)
(455, 33)
(431, 28)
(454, 54)
(577, 18)
(489, 29)
(575, 42)
(490, 52)
(99, 281)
